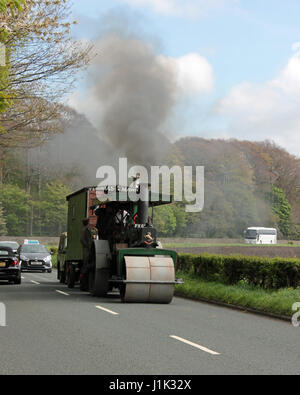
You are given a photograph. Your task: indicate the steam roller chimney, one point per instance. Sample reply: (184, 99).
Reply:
(143, 204)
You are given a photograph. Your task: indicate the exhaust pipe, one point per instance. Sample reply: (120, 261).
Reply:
(143, 204)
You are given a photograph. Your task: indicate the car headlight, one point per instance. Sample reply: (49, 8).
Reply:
(48, 259)
(24, 258)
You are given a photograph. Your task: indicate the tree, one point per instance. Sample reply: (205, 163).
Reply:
(181, 219)
(3, 229)
(282, 209)
(42, 67)
(165, 220)
(237, 179)
(7, 12)
(54, 208)
(285, 169)
(16, 208)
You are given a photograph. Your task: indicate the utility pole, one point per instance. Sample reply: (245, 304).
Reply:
(39, 190)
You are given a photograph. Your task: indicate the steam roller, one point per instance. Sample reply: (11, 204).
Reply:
(126, 254)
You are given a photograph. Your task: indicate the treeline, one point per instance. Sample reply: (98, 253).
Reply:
(39, 64)
(23, 214)
(246, 184)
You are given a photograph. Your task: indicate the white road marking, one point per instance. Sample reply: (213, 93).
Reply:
(195, 345)
(35, 282)
(108, 311)
(62, 293)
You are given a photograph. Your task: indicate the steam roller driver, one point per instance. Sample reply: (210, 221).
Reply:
(88, 234)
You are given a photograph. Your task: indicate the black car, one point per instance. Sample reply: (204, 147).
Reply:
(11, 244)
(35, 257)
(10, 268)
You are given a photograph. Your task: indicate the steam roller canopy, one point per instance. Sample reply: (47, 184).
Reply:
(149, 279)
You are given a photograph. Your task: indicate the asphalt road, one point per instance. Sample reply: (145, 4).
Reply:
(69, 332)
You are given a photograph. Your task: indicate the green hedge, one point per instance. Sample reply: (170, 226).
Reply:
(268, 273)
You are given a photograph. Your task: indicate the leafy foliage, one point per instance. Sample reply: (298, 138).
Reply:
(11, 5)
(165, 220)
(53, 207)
(7, 11)
(282, 209)
(268, 273)
(3, 229)
(41, 65)
(16, 207)
(25, 214)
(246, 184)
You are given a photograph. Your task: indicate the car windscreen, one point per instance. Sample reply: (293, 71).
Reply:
(251, 234)
(10, 244)
(33, 249)
(6, 251)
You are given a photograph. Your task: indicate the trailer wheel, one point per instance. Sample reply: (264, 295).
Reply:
(71, 277)
(63, 274)
(99, 282)
(62, 278)
(58, 270)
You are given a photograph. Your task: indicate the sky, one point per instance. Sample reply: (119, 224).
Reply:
(237, 62)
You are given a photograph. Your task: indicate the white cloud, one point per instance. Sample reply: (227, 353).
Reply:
(269, 110)
(289, 79)
(194, 73)
(182, 8)
(296, 46)
(167, 7)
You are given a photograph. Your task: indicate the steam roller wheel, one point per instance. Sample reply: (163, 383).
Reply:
(148, 269)
(99, 282)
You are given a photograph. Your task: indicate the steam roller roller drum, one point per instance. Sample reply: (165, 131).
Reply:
(145, 271)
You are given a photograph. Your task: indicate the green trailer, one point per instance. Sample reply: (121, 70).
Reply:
(78, 208)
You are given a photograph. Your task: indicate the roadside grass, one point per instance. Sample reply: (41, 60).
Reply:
(54, 261)
(242, 295)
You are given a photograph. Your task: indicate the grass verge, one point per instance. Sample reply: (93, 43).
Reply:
(54, 261)
(241, 295)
